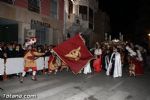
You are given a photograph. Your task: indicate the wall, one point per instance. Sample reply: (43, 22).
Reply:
(21, 31)
(45, 7)
(61, 10)
(102, 25)
(21, 3)
(22, 15)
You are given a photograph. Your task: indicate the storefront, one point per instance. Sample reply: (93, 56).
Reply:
(8, 30)
(22, 22)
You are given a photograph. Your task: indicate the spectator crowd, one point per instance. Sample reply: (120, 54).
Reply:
(13, 49)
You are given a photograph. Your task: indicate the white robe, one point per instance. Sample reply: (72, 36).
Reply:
(118, 66)
(139, 56)
(87, 69)
(106, 62)
(110, 64)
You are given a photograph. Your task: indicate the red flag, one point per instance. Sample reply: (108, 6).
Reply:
(74, 53)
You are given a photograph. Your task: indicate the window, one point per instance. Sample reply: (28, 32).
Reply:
(83, 12)
(90, 15)
(70, 9)
(41, 32)
(91, 18)
(8, 1)
(90, 26)
(34, 5)
(53, 9)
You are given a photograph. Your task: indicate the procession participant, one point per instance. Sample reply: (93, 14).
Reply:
(110, 67)
(52, 64)
(138, 63)
(63, 66)
(30, 63)
(107, 59)
(48, 50)
(131, 51)
(87, 68)
(115, 66)
(122, 53)
(135, 62)
(118, 65)
(131, 69)
(131, 59)
(97, 64)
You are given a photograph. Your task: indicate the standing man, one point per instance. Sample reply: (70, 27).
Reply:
(30, 63)
(115, 66)
(118, 64)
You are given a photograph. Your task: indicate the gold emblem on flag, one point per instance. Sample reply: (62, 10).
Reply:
(74, 54)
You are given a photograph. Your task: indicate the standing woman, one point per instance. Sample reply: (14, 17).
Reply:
(52, 63)
(138, 63)
(97, 64)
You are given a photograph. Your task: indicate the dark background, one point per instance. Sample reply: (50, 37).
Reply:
(131, 17)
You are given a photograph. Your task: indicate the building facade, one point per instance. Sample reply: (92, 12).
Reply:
(43, 19)
(79, 17)
(102, 26)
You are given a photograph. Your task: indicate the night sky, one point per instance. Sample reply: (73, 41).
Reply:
(131, 17)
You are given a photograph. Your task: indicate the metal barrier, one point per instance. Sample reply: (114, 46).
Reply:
(16, 65)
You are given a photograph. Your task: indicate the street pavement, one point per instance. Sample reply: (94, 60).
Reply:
(68, 86)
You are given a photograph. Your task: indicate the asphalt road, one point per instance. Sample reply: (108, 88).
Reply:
(68, 86)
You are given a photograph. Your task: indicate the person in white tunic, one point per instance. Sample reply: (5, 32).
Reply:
(110, 64)
(117, 66)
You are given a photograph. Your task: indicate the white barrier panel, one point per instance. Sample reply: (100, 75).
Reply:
(1, 66)
(41, 61)
(46, 62)
(16, 65)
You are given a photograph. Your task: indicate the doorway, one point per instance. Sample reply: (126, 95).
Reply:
(8, 30)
